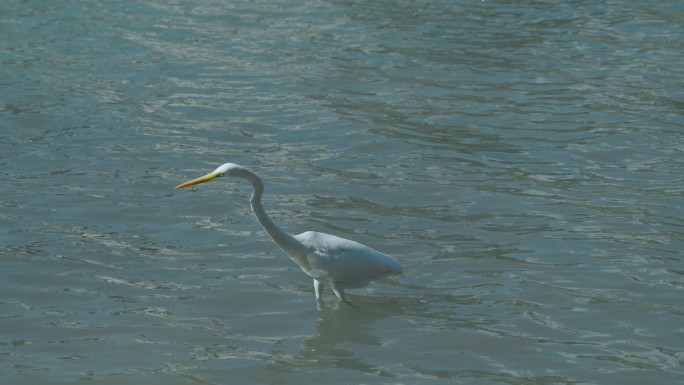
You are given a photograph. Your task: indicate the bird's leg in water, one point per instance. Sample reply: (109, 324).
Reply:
(318, 287)
(339, 292)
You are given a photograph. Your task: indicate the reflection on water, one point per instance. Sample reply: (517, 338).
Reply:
(338, 330)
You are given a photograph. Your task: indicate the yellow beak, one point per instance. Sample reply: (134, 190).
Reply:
(201, 179)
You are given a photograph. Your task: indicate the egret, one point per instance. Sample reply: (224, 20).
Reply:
(338, 262)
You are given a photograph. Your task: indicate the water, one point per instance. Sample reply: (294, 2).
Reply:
(523, 161)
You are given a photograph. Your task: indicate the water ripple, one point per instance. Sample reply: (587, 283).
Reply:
(521, 160)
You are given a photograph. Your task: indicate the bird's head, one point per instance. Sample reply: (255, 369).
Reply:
(227, 169)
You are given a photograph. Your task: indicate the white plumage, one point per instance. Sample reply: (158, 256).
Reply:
(328, 259)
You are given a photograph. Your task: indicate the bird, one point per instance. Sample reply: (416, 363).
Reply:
(330, 260)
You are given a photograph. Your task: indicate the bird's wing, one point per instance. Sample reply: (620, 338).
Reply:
(341, 267)
(334, 258)
(343, 260)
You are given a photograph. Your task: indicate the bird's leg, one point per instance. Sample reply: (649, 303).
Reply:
(318, 288)
(339, 292)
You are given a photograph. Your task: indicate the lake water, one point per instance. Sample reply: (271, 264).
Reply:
(523, 160)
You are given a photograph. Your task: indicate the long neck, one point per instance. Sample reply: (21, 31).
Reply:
(285, 241)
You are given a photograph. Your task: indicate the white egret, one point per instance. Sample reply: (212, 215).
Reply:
(338, 262)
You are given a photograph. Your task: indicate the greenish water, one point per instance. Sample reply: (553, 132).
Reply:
(523, 162)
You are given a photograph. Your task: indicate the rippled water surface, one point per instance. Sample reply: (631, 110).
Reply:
(523, 160)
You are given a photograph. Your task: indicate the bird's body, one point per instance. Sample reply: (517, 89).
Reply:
(328, 259)
(342, 263)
